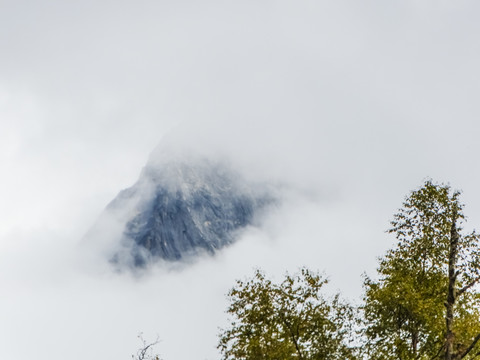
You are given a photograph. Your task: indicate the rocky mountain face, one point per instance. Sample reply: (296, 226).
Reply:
(180, 208)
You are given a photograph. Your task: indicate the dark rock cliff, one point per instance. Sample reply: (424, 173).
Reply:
(182, 207)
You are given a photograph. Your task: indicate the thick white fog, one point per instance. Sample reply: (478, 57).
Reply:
(351, 104)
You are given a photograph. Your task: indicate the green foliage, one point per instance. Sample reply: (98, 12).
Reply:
(404, 309)
(424, 303)
(290, 320)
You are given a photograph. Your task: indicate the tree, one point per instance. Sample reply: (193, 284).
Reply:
(146, 350)
(290, 320)
(424, 304)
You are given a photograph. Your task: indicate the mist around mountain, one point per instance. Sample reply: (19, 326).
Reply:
(183, 205)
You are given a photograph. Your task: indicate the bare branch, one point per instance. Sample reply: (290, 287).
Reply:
(143, 351)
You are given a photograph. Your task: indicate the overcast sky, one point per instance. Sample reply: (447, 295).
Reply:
(352, 103)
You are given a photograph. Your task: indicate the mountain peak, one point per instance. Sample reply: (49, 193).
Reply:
(180, 206)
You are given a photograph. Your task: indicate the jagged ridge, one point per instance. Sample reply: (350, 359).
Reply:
(180, 208)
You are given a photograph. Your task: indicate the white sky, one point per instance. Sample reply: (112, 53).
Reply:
(353, 103)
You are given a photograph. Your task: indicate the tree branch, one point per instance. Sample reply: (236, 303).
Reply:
(142, 353)
(292, 335)
(438, 353)
(468, 286)
(472, 345)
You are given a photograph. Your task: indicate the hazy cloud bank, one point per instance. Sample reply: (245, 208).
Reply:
(350, 104)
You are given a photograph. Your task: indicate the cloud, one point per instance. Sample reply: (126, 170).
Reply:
(351, 104)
